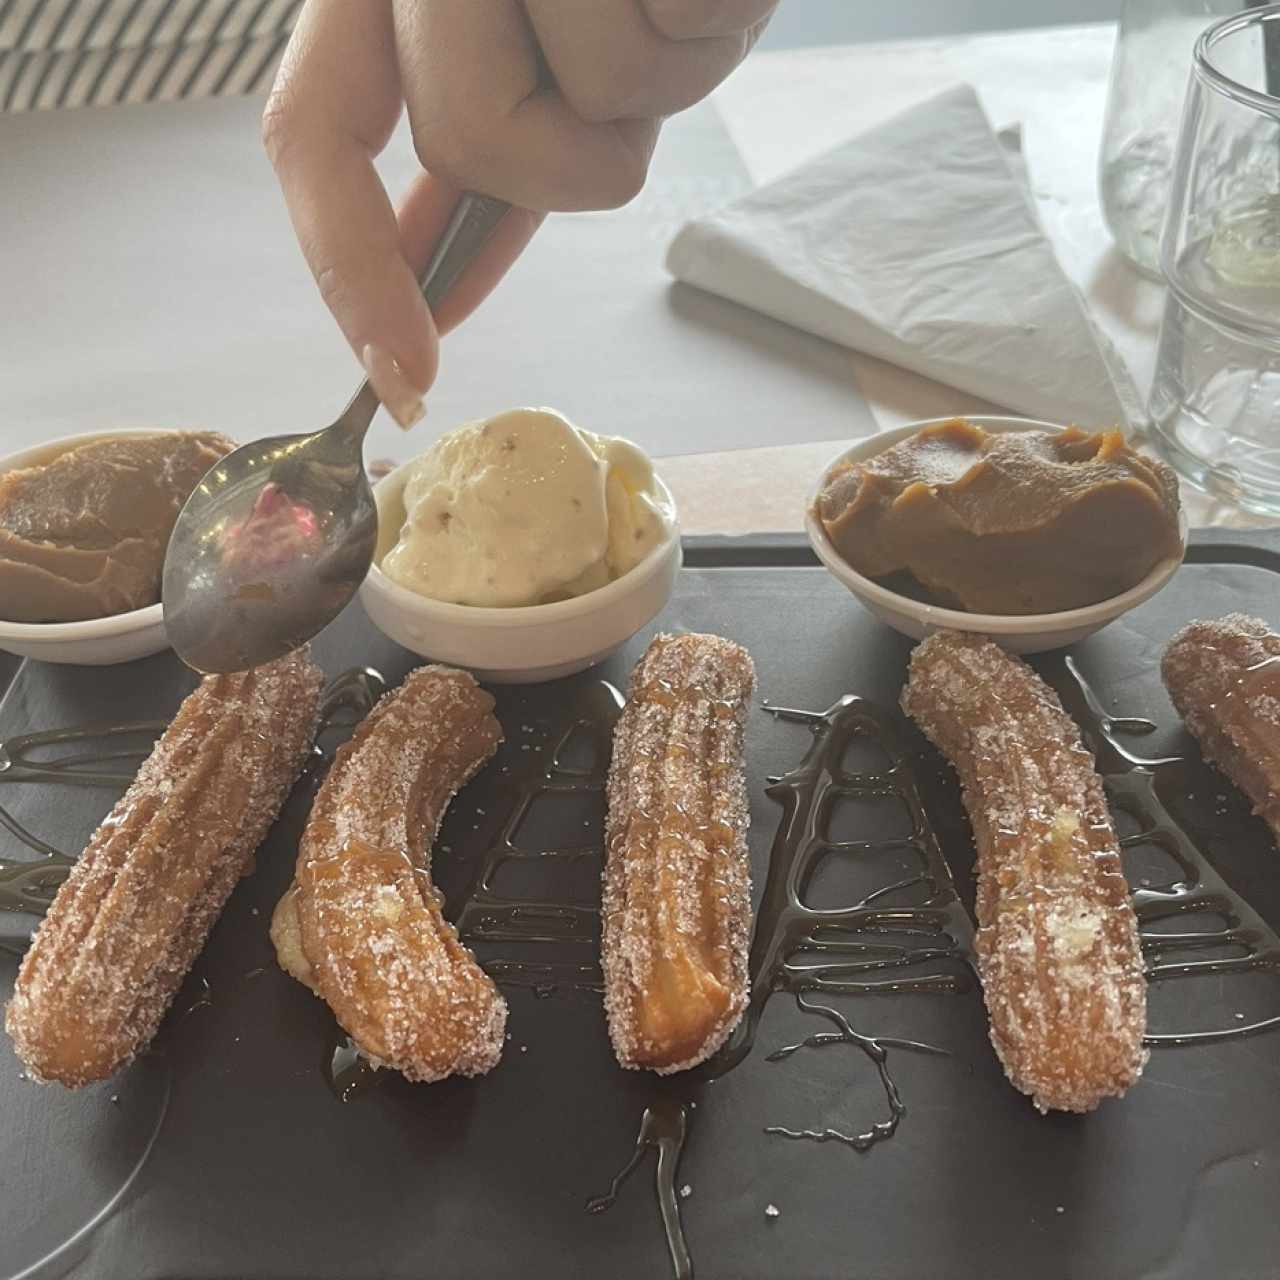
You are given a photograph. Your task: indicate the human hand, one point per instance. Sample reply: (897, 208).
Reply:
(547, 104)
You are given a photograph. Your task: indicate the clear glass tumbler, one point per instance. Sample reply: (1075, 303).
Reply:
(1154, 44)
(1215, 401)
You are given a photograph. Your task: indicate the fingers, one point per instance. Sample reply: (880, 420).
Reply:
(424, 214)
(610, 62)
(473, 74)
(693, 19)
(332, 109)
(480, 117)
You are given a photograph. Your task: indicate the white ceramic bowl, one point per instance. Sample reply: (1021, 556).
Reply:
(523, 645)
(100, 641)
(1030, 633)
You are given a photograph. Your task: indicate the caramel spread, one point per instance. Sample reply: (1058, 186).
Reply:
(83, 534)
(1009, 523)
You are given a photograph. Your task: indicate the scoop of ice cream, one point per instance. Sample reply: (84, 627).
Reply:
(524, 508)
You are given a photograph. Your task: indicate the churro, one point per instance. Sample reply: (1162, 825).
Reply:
(1224, 679)
(677, 886)
(1057, 942)
(362, 925)
(135, 910)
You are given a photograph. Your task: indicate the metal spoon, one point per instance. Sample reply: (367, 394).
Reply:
(276, 539)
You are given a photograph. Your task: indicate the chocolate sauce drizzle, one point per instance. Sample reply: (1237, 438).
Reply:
(881, 944)
(348, 698)
(485, 916)
(873, 947)
(1133, 787)
(877, 946)
(664, 1128)
(801, 950)
(108, 756)
(94, 756)
(346, 1070)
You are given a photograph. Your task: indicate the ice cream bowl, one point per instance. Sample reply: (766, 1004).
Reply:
(120, 637)
(526, 644)
(1020, 633)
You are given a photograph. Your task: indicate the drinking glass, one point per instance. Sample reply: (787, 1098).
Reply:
(1154, 44)
(1215, 400)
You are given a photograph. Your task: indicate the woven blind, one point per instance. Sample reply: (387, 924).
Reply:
(74, 53)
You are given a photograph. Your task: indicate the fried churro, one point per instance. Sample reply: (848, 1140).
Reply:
(135, 910)
(1057, 942)
(362, 926)
(1224, 679)
(677, 887)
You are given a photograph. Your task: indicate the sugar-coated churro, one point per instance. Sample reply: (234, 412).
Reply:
(1224, 679)
(135, 910)
(677, 889)
(1057, 942)
(362, 926)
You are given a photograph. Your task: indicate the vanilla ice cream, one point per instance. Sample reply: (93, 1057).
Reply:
(525, 508)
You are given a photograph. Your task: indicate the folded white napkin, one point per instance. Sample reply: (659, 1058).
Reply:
(916, 242)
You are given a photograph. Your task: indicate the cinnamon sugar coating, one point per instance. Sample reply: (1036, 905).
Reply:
(362, 925)
(135, 910)
(1057, 941)
(677, 886)
(1224, 679)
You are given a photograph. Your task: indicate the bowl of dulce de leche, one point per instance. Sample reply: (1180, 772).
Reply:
(84, 523)
(1032, 533)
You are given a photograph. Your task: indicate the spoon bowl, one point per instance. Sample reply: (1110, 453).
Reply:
(278, 536)
(270, 547)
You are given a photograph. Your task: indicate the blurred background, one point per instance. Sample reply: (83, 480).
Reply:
(162, 285)
(809, 22)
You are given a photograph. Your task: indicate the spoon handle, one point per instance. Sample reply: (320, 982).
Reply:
(468, 231)
(474, 220)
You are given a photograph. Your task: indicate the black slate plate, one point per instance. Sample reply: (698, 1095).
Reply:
(224, 1152)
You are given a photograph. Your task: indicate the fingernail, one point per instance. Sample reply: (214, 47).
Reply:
(402, 400)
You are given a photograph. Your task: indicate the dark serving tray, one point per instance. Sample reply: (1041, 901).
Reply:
(227, 1150)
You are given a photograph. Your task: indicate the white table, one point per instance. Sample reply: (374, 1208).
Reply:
(151, 278)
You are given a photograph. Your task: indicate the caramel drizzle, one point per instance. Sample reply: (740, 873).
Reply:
(1132, 787)
(877, 1049)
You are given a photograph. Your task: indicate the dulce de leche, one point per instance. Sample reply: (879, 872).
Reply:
(83, 533)
(1005, 523)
